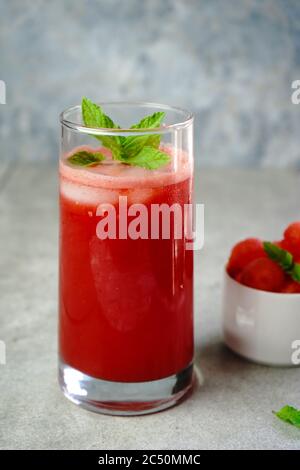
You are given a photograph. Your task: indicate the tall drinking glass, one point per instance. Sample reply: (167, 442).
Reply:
(126, 266)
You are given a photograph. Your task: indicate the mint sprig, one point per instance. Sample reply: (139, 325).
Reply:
(289, 414)
(140, 150)
(295, 274)
(133, 145)
(93, 116)
(85, 158)
(150, 158)
(280, 256)
(284, 259)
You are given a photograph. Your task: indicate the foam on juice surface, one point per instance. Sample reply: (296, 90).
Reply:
(107, 181)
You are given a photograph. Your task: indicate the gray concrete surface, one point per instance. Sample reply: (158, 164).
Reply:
(233, 408)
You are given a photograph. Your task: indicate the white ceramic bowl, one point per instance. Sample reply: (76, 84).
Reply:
(261, 326)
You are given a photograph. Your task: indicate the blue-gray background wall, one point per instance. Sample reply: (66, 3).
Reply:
(230, 61)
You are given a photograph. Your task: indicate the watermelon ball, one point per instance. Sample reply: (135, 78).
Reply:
(263, 274)
(238, 277)
(291, 240)
(291, 287)
(243, 253)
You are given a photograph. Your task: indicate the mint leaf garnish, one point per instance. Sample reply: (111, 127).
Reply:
(289, 415)
(149, 158)
(280, 256)
(295, 272)
(150, 122)
(93, 116)
(133, 145)
(140, 150)
(85, 158)
(284, 258)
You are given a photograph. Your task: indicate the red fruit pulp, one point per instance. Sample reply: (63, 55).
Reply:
(263, 274)
(126, 306)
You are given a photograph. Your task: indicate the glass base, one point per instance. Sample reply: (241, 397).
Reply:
(124, 399)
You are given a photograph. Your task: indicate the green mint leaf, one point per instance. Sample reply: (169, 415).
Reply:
(280, 256)
(284, 258)
(149, 158)
(150, 122)
(85, 158)
(289, 415)
(133, 145)
(93, 116)
(140, 150)
(295, 272)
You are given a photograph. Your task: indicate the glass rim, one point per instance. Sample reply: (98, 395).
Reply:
(188, 118)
